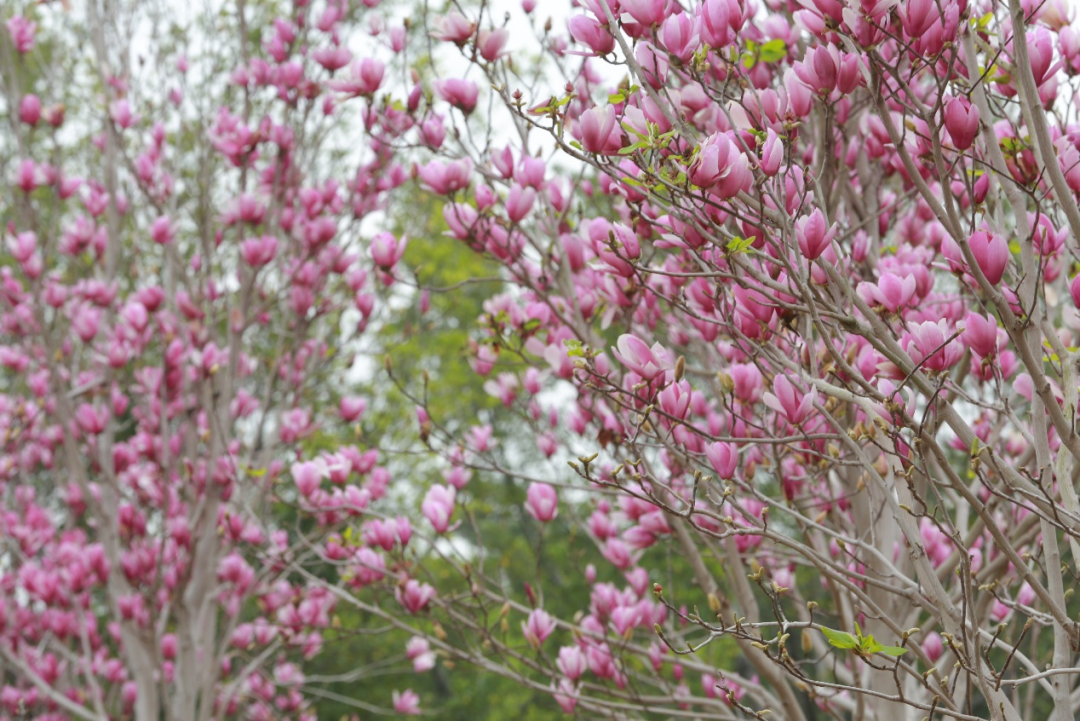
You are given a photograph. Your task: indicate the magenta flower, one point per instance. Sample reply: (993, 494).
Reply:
(30, 110)
(352, 408)
(1074, 290)
(492, 44)
(571, 662)
(646, 12)
(813, 235)
(21, 32)
(307, 476)
(716, 28)
(542, 502)
(406, 702)
(386, 250)
(418, 650)
(720, 162)
(647, 362)
(519, 202)
(772, 153)
(460, 93)
(962, 122)
(789, 401)
(891, 292)
(680, 36)
(414, 596)
(596, 130)
(724, 458)
(258, 252)
(454, 28)
(538, 627)
(588, 31)
(980, 334)
(438, 507)
(446, 178)
(933, 646)
(991, 253)
(675, 399)
(926, 344)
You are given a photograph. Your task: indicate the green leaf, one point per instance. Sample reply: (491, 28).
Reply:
(573, 348)
(773, 50)
(739, 244)
(869, 645)
(840, 639)
(893, 650)
(616, 98)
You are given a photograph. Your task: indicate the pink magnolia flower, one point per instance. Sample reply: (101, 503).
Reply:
(748, 381)
(772, 153)
(991, 253)
(414, 595)
(352, 408)
(716, 29)
(571, 662)
(647, 362)
(646, 12)
(542, 502)
(538, 627)
(519, 202)
(91, 419)
(308, 476)
(890, 292)
(406, 702)
(916, 16)
(369, 75)
(260, 251)
(492, 44)
(565, 695)
(933, 646)
(460, 93)
(23, 245)
(980, 334)
(419, 652)
(445, 178)
(675, 399)
(432, 131)
(21, 32)
(820, 68)
(454, 28)
(721, 164)
(789, 401)
(1041, 52)
(724, 458)
(813, 235)
(596, 130)
(438, 507)
(162, 231)
(593, 33)
(962, 122)
(386, 250)
(30, 109)
(654, 64)
(928, 343)
(85, 320)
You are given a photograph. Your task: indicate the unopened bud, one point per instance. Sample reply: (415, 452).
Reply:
(680, 367)
(714, 603)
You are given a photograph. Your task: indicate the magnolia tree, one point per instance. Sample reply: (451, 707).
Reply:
(790, 285)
